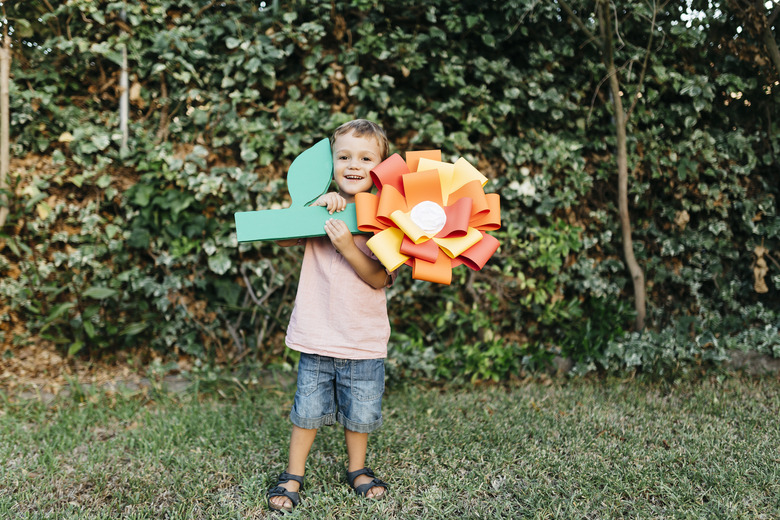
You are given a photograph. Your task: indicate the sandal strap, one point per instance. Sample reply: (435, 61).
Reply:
(279, 491)
(351, 476)
(286, 477)
(363, 488)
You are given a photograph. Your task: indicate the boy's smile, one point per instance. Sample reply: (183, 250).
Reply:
(353, 159)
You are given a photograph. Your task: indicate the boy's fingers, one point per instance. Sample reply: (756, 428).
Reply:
(334, 224)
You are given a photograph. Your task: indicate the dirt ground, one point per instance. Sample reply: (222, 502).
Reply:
(41, 371)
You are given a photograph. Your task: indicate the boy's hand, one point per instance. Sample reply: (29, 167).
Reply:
(332, 202)
(339, 234)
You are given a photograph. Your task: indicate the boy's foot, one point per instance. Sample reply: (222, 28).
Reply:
(366, 484)
(284, 497)
(373, 492)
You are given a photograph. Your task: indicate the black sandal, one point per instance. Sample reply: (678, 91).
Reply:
(363, 489)
(279, 491)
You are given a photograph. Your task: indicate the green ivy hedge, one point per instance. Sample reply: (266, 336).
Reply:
(110, 248)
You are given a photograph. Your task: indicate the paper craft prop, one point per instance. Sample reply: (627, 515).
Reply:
(309, 177)
(430, 215)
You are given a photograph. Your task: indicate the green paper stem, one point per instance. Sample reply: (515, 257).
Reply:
(309, 177)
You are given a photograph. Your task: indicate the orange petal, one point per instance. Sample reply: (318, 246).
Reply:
(428, 250)
(420, 186)
(439, 271)
(474, 191)
(390, 201)
(458, 216)
(389, 173)
(446, 172)
(365, 207)
(413, 158)
(477, 256)
(491, 219)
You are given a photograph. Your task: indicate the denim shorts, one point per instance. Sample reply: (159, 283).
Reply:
(345, 390)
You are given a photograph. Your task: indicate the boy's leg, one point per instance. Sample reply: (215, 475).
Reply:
(301, 441)
(357, 445)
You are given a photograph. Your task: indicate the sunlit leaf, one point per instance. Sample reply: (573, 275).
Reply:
(99, 293)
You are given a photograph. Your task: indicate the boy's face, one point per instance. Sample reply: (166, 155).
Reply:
(353, 159)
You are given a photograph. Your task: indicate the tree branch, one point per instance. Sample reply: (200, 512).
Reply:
(643, 72)
(765, 32)
(637, 274)
(772, 16)
(162, 130)
(592, 38)
(205, 8)
(5, 73)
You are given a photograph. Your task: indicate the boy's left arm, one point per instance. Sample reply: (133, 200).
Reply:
(370, 271)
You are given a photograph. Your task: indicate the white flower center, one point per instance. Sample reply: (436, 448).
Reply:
(429, 216)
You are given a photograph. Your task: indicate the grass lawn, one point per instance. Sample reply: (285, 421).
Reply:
(572, 449)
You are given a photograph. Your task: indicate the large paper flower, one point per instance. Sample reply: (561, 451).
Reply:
(429, 214)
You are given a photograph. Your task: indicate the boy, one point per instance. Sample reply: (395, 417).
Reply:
(339, 324)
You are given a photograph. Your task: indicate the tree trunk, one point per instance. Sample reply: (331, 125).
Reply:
(5, 78)
(771, 46)
(124, 99)
(637, 275)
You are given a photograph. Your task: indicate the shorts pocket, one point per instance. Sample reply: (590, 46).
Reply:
(308, 374)
(368, 379)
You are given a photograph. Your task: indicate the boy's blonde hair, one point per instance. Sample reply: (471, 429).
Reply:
(364, 127)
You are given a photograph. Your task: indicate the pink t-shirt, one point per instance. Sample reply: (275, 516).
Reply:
(336, 313)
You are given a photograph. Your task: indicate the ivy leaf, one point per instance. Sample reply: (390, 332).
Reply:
(75, 347)
(59, 310)
(99, 293)
(142, 195)
(101, 141)
(353, 74)
(231, 43)
(220, 262)
(134, 328)
(89, 328)
(23, 28)
(248, 154)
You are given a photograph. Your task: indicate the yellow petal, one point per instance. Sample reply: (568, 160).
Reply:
(426, 164)
(408, 227)
(386, 246)
(453, 247)
(465, 172)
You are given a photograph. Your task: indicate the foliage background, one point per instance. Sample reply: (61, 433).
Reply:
(110, 249)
